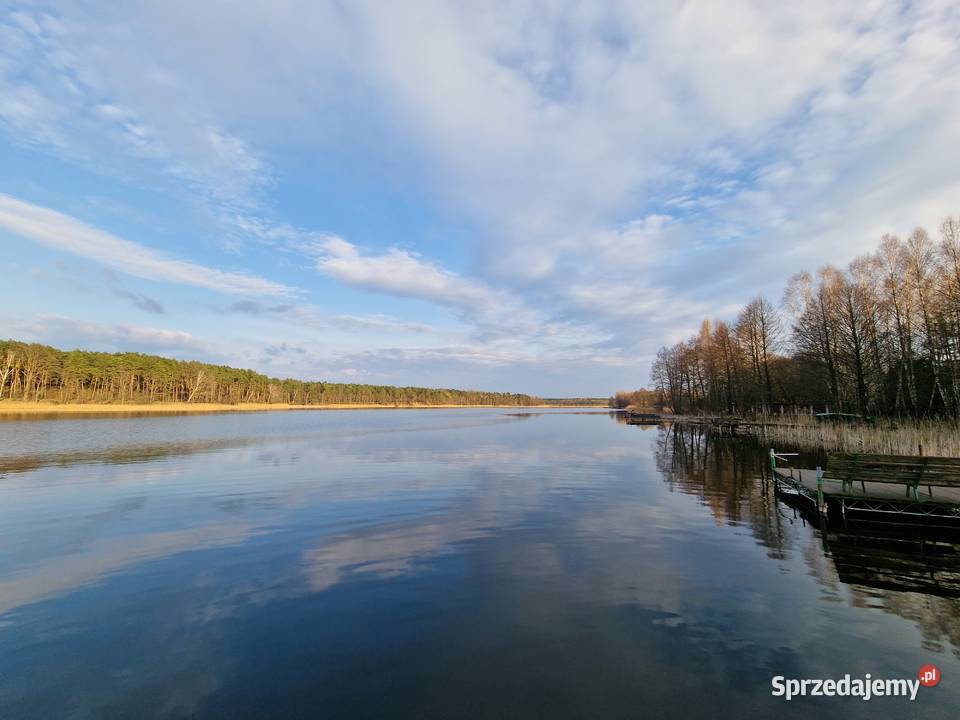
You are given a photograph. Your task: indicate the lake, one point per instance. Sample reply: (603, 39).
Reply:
(481, 563)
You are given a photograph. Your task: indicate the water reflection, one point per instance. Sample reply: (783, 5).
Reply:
(913, 572)
(99, 559)
(727, 474)
(435, 564)
(111, 437)
(13, 463)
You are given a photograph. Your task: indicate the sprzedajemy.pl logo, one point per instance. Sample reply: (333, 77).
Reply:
(864, 688)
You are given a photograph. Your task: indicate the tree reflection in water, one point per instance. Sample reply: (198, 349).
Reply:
(913, 572)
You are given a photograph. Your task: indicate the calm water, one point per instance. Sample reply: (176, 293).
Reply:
(435, 564)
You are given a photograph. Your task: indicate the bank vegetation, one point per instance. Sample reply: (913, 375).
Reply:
(35, 373)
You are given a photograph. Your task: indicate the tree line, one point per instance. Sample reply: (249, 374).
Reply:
(36, 372)
(640, 399)
(878, 337)
(576, 402)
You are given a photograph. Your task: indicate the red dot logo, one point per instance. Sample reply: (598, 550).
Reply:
(929, 675)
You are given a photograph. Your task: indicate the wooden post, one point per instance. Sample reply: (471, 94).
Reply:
(773, 461)
(820, 505)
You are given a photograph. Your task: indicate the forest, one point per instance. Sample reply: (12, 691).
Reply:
(880, 337)
(35, 372)
(638, 399)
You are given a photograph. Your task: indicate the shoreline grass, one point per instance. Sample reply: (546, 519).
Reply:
(889, 436)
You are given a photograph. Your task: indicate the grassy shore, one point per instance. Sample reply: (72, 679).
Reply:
(934, 438)
(17, 407)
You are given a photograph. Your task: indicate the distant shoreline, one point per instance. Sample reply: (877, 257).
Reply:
(20, 407)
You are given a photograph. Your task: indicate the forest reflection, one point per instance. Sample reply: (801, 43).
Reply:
(118, 455)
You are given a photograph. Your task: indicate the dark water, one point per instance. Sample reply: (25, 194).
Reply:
(436, 564)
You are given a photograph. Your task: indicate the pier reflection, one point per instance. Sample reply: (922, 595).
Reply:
(896, 560)
(913, 572)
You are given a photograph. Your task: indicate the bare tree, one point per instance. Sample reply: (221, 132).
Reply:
(881, 336)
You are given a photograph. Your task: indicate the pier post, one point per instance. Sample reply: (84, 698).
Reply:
(820, 505)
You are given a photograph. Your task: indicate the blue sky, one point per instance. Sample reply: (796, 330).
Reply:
(524, 196)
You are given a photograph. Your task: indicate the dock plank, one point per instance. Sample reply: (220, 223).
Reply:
(885, 491)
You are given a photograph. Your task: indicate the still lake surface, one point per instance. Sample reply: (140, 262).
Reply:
(434, 564)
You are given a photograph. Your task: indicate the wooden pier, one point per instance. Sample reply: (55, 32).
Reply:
(889, 488)
(642, 418)
(729, 426)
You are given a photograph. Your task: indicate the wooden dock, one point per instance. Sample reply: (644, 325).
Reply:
(840, 498)
(642, 418)
(834, 488)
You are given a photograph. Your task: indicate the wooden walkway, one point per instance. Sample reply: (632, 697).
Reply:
(834, 488)
(884, 502)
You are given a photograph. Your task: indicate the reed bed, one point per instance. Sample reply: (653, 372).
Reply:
(936, 438)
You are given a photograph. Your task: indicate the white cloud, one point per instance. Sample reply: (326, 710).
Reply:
(558, 120)
(498, 318)
(314, 317)
(400, 272)
(63, 331)
(62, 232)
(66, 85)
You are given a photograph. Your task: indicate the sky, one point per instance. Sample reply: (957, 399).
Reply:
(523, 196)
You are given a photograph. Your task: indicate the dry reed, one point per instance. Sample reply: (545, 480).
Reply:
(935, 438)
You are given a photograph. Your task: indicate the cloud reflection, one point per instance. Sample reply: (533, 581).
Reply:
(107, 556)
